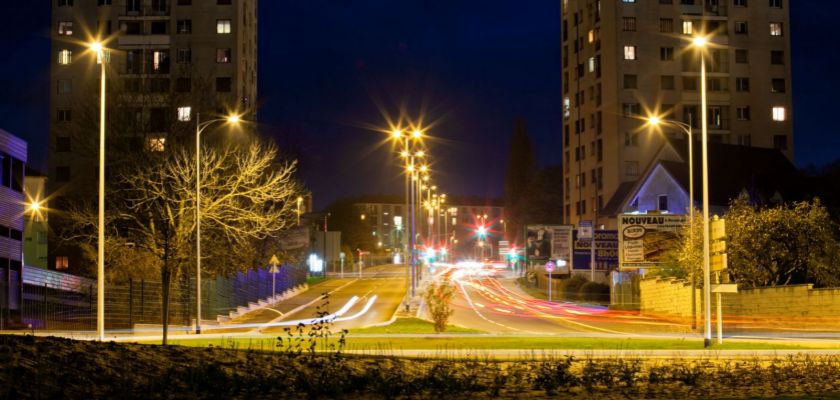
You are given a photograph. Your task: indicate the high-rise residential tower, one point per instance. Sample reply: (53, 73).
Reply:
(166, 62)
(625, 59)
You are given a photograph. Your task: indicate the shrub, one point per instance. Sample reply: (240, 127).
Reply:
(569, 287)
(552, 375)
(438, 297)
(594, 291)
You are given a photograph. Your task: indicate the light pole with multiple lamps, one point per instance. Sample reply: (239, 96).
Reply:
(199, 127)
(701, 44)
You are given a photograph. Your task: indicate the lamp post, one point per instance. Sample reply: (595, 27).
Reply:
(701, 43)
(200, 127)
(99, 49)
(410, 183)
(687, 129)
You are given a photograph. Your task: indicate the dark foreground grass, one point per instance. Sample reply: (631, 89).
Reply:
(48, 368)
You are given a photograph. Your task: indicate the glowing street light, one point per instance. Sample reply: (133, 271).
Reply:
(98, 48)
(200, 127)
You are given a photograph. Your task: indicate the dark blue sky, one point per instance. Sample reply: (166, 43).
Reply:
(327, 68)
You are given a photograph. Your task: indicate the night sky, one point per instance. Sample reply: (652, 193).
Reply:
(331, 71)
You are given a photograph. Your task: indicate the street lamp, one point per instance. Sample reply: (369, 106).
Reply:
(409, 156)
(656, 121)
(701, 43)
(200, 127)
(99, 49)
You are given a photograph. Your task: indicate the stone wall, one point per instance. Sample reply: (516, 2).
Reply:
(797, 306)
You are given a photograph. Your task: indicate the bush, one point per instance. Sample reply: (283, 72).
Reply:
(594, 291)
(438, 297)
(569, 287)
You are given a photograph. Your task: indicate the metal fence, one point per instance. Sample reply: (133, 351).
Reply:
(57, 301)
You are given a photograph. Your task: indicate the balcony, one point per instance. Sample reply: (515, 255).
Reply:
(143, 40)
(710, 9)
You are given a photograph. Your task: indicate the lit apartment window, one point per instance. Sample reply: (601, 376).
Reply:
(156, 144)
(591, 35)
(223, 26)
(62, 263)
(629, 52)
(779, 114)
(184, 114)
(223, 55)
(65, 28)
(160, 61)
(64, 57)
(687, 28)
(591, 64)
(775, 29)
(628, 1)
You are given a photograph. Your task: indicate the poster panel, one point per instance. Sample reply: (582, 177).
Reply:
(644, 240)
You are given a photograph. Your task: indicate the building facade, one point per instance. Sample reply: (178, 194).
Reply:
(167, 63)
(626, 59)
(452, 226)
(36, 230)
(12, 200)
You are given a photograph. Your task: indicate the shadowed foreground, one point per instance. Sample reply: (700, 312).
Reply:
(46, 368)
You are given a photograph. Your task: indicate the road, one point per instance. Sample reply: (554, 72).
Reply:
(353, 302)
(496, 304)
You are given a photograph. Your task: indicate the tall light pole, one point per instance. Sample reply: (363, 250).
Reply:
(701, 43)
(410, 181)
(687, 129)
(199, 127)
(99, 49)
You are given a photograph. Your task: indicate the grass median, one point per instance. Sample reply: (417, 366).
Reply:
(384, 342)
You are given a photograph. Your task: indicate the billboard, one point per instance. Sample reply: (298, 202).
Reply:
(606, 250)
(548, 242)
(644, 240)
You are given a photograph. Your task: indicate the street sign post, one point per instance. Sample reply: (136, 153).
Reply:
(549, 267)
(585, 231)
(718, 263)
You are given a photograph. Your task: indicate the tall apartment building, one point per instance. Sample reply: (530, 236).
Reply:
(625, 58)
(166, 61)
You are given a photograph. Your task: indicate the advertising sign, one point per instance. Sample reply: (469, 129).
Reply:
(606, 250)
(548, 242)
(295, 238)
(644, 240)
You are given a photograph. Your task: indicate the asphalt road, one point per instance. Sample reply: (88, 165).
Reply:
(353, 301)
(497, 305)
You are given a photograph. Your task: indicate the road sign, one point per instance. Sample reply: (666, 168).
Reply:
(718, 246)
(585, 230)
(274, 261)
(550, 266)
(725, 288)
(718, 262)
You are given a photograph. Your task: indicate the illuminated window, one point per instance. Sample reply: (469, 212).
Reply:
(629, 52)
(62, 262)
(64, 57)
(779, 114)
(775, 29)
(687, 28)
(591, 35)
(223, 26)
(157, 144)
(184, 114)
(65, 28)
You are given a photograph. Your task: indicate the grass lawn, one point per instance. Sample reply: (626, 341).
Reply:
(312, 280)
(411, 325)
(481, 342)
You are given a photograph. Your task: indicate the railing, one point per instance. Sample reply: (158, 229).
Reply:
(73, 307)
